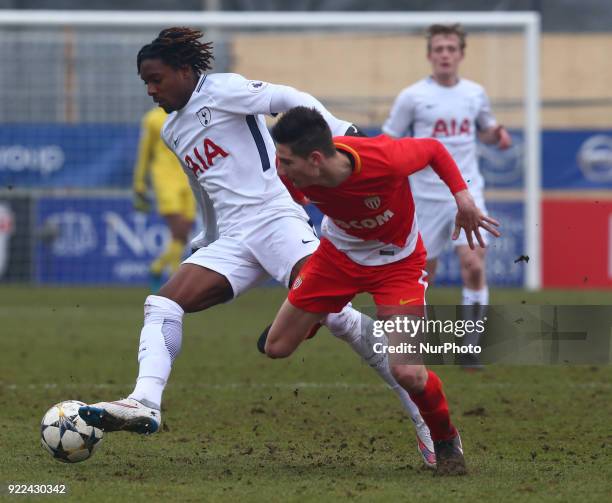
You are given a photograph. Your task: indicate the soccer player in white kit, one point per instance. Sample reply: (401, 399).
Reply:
(252, 228)
(455, 111)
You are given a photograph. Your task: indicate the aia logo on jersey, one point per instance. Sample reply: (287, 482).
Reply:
(205, 156)
(450, 128)
(372, 202)
(204, 116)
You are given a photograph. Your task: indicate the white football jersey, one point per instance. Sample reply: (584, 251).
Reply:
(452, 115)
(221, 138)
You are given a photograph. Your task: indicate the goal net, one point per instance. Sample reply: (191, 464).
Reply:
(72, 104)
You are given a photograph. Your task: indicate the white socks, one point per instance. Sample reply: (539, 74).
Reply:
(470, 297)
(347, 325)
(160, 344)
(474, 307)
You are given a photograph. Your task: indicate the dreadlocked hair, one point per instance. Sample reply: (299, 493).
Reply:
(177, 47)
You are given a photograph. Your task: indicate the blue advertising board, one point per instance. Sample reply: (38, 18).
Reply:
(95, 240)
(577, 160)
(103, 155)
(571, 160)
(67, 156)
(101, 240)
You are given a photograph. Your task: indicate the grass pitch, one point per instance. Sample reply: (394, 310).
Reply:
(319, 426)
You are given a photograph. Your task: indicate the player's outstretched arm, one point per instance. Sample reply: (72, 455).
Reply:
(471, 219)
(414, 154)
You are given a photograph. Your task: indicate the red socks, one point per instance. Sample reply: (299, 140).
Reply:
(434, 408)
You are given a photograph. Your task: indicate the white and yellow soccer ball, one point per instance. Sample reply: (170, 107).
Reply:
(66, 436)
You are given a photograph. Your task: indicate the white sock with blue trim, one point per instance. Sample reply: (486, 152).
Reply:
(160, 344)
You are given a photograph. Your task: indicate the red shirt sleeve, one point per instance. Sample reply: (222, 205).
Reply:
(414, 154)
(296, 193)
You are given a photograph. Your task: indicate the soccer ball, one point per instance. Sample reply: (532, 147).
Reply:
(66, 436)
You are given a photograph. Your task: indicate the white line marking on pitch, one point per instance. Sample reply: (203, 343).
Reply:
(242, 385)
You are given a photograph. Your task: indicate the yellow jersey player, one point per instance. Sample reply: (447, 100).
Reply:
(175, 201)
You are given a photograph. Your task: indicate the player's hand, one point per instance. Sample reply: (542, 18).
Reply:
(471, 219)
(142, 202)
(504, 140)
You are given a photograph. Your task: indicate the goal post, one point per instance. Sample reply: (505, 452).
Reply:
(277, 46)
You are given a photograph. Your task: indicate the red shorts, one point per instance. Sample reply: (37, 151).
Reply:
(330, 279)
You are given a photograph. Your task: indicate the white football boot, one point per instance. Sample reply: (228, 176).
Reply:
(425, 444)
(126, 414)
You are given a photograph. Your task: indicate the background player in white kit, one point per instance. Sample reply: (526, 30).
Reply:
(252, 228)
(455, 111)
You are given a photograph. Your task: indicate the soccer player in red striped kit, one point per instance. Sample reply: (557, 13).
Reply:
(372, 243)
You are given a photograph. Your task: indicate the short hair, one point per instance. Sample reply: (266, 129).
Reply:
(178, 47)
(304, 130)
(446, 29)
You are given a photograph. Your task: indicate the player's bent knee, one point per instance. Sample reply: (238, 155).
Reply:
(278, 349)
(411, 377)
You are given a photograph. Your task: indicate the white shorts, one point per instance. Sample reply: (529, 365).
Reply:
(270, 248)
(436, 221)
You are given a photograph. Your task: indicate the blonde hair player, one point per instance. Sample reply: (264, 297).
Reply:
(455, 111)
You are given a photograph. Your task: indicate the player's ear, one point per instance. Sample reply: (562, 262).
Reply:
(315, 157)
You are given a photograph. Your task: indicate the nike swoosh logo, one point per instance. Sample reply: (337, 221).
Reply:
(404, 302)
(305, 242)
